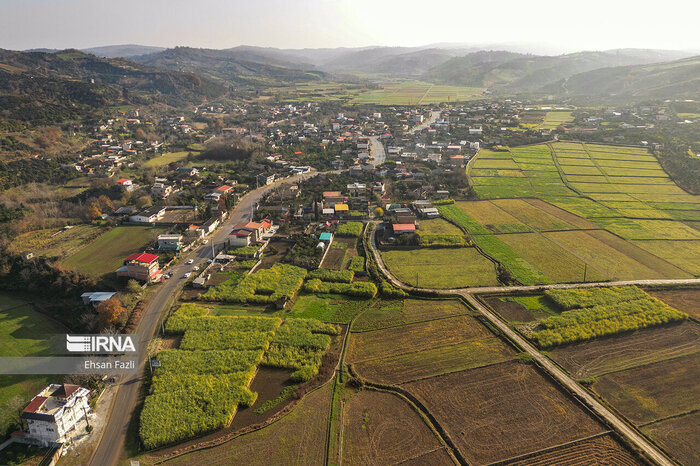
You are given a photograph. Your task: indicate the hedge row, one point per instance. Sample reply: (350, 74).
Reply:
(360, 289)
(337, 276)
(596, 321)
(441, 241)
(264, 286)
(587, 297)
(357, 264)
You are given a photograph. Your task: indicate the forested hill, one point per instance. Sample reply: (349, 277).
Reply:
(52, 87)
(235, 66)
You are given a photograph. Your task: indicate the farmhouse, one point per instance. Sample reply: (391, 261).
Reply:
(243, 234)
(140, 266)
(55, 412)
(149, 215)
(403, 228)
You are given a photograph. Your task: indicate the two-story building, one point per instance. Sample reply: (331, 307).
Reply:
(140, 266)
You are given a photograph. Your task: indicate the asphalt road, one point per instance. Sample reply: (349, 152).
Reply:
(377, 147)
(562, 377)
(124, 402)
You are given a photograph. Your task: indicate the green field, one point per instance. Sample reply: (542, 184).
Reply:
(107, 253)
(553, 119)
(435, 268)
(417, 93)
(166, 158)
(23, 332)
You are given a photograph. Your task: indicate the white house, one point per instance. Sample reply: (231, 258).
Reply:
(149, 215)
(54, 413)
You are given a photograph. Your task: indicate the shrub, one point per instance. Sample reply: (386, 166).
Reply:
(244, 251)
(205, 362)
(337, 276)
(388, 290)
(350, 229)
(587, 297)
(178, 323)
(304, 374)
(444, 202)
(231, 339)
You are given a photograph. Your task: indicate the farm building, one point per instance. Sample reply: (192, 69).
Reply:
(149, 215)
(94, 298)
(402, 228)
(54, 413)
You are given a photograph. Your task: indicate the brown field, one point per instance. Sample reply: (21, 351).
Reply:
(602, 450)
(683, 300)
(502, 411)
(598, 357)
(270, 259)
(563, 214)
(435, 361)
(654, 391)
(679, 436)
(513, 311)
(414, 337)
(381, 428)
(390, 313)
(297, 438)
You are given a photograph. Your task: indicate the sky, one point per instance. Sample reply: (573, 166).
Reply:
(555, 26)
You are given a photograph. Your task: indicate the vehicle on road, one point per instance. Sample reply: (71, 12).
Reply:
(195, 268)
(191, 261)
(187, 275)
(206, 241)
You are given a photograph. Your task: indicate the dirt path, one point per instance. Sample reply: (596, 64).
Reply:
(629, 433)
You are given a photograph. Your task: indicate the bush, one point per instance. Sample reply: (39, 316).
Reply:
(244, 251)
(212, 340)
(350, 230)
(337, 276)
(207, 362)
(444, 202)
(388, 290)
(359, 289)
(587, 297)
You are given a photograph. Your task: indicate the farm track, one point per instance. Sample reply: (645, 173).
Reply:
(620, 426)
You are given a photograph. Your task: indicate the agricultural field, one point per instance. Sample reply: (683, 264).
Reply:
(502, 411)
(23, 332)
(327, 308)
(542, 243)
(438, 226)
(623, 190)
(107, 253)
(653, 391)
(429, 268)
(553, 120)
(679, 436)
(393, 312)
(603, 449)
(417, 93)
(298, 438)
(381, 428)
(341, 252)
(55, 242)
(685, 300)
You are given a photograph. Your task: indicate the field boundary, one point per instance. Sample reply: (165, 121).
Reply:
(668, 418)
(548, 449)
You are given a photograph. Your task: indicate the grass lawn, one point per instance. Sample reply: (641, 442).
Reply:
(107, 253)
(438, 226)
(441, 268)
(23, 332)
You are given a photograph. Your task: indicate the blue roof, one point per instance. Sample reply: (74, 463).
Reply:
(325, 236)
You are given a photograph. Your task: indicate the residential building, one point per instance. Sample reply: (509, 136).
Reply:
(357, 189)
(55, 412)
(331, 198)
(95, 298)
(161, 190)
(140, 266)
(149, 215)
(403, 228)
(170, 242)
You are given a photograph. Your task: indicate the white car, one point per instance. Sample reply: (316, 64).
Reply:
(205, 241)
(191, 261)
(195, 268)
(166, 276)
(187, 275)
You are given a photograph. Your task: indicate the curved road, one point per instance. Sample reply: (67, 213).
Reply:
(628, 432)
(108, 451)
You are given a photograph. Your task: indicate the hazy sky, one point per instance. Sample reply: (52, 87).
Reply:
(563, 24)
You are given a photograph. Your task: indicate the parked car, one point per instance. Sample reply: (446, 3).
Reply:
(187, 275)
(195, 268)
(191, 261)
(205, 241)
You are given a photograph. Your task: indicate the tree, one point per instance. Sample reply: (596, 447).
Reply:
(140, 134)
(143, 201)
(132, 286)
(93, 212)
(110, 312)
(379, 212)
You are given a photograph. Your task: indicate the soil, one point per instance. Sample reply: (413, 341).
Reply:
(268, 383)
(683, 300)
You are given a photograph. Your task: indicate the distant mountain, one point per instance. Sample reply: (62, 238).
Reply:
(53, 87)
(676, 79)
(122, 51)
(242, 65)
(513, 72)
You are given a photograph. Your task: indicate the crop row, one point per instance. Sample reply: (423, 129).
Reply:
(337, 276)
(360, 289)
(588, 297)
(264, 286)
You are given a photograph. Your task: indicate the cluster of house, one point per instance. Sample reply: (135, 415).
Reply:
(402, 219)
(358, 198)
(247, 233)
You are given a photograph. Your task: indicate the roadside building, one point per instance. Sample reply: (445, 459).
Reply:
(54, 413)
(140, 266)
(149, 215)
(170, 242)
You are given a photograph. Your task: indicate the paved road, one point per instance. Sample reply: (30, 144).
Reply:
(114, 435)
(562, 377)
(377, 148)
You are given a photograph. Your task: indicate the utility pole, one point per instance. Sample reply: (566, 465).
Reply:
(585, 270)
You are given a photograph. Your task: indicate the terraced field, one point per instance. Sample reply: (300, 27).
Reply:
(566, 207)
